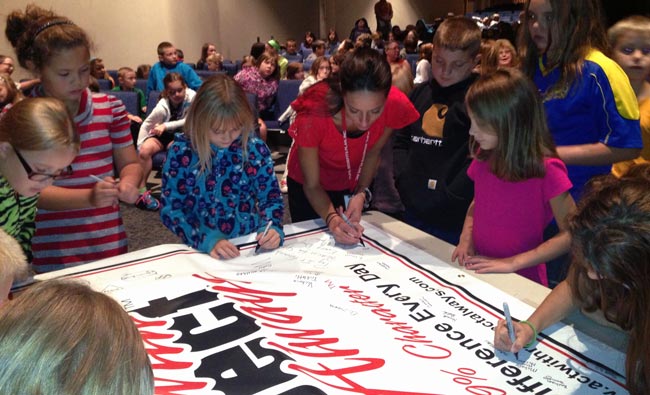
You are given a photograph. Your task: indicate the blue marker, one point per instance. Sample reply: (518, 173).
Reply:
(511, 328)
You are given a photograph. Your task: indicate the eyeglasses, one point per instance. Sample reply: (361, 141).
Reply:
(35, 176)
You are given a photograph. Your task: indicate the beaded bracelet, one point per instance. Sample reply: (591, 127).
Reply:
(329, 218)
(531, 326)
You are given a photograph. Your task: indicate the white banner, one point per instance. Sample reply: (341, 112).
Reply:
(313, 317)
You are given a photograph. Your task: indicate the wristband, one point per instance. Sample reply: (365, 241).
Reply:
(329, 218)
(531, 326)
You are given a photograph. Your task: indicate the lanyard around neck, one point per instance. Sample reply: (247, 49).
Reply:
(347, 152)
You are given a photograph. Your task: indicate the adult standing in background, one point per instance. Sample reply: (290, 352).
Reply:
(384, 14)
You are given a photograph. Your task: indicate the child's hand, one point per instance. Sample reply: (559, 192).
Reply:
(523, 335)
(104, 193)
(134, 118)
(127, 192)
(224, 249)
(269, 242)
(158, 130)
(482, 264)
(463, 251)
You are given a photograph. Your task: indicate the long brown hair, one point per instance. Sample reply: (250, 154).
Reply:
(507, 103)
(575, 28)
(611, 238)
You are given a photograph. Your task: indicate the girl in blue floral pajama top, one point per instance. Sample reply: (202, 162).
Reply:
(218, 181)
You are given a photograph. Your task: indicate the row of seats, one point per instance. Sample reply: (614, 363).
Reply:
(287, 92)
(105, 85)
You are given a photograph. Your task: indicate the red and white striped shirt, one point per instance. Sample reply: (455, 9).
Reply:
(72, 237)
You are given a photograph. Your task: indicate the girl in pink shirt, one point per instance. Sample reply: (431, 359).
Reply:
(520, 184)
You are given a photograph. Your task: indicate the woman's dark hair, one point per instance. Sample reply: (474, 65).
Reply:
(610, 234)
(204, 51)
(363, 69)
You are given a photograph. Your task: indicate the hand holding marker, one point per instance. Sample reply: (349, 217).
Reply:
(266, 230)
(511, 329)
(347, 221)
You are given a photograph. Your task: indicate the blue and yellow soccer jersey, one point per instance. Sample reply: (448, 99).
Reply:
(600, 106)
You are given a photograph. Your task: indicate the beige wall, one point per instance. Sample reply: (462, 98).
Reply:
(130, 38)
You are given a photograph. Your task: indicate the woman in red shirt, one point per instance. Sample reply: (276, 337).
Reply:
(340, 128)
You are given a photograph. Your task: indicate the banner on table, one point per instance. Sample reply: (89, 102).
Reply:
(313, 317)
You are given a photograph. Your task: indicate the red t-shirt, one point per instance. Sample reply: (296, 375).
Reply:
(314, 127)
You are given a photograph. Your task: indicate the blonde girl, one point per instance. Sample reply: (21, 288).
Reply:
(79, 218)
(218, 181)
(38, 142)
(214, 62)
(520, 184)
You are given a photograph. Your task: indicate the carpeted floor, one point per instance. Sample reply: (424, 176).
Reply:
(144, 228)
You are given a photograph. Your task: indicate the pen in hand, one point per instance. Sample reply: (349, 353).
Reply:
(94, 177)
(347, 221)
(266, 230)
(511, 329)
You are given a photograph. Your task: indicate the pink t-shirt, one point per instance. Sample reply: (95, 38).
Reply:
(510, 217)
(318, 130)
